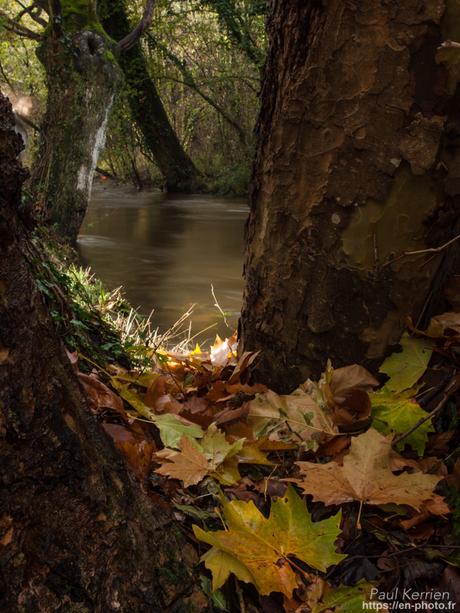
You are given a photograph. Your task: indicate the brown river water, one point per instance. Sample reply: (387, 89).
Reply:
(167, 251)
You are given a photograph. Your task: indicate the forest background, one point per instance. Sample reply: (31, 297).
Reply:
(204, 58)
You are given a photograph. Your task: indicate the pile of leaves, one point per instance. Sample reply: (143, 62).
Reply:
(302, 502)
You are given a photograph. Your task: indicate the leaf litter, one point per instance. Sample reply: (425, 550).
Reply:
(312, 498)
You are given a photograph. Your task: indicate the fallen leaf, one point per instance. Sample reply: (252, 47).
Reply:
(398, 413)
(173, 427)
(334, 448)
(99, 396)
(257, 549)
(348, 379)
(243, 364)
(293, 418)
(343, 599)
(440, 324)
(406, 368)
(229, 414)
(137, 451)
(366, 477)
(216, 448)
(189, 466)
(216, 459)
(223, 353)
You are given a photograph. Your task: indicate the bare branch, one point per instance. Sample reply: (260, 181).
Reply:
(131, 39)
(34, 11)
(423, 251)
(189, 81)
(12, 26)
(449, 44)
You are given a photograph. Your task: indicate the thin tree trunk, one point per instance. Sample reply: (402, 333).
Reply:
(82, 78)
(357, 162)
(178, 170)
(76, 531)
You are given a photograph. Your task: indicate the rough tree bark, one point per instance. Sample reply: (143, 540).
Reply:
(178, 170)
(82, 78)
(76, 532)
(358, 161)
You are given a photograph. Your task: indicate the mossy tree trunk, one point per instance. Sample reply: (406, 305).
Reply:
(178, 170)
(358, 161)
(77, 533)
(82, 79)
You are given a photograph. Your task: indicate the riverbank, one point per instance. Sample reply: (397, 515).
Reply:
(323, 487)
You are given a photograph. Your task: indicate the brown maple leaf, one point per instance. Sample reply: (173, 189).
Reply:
(366, 476)
(190, 465)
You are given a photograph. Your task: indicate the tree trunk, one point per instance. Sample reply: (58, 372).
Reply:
(76, 532)
(358, 161)
(178, 170)
(82, 78)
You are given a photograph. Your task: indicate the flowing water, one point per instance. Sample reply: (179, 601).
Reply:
(167, 251)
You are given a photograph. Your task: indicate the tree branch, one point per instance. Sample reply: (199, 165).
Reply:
(131, 39)
(17, 28)
(189, 81)
(33, 11)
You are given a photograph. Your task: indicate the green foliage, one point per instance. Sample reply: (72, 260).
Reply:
(232, 181)
(205, 59)
(84, 312)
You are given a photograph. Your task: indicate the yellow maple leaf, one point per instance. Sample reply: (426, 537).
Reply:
(257, 549)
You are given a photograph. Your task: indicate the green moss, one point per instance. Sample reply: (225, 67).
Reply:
(80, 15)
(378, 230)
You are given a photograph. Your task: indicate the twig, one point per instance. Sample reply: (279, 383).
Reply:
(422, 251)
(450, 389)
(449, 44)
(240, 596)
(216, 304)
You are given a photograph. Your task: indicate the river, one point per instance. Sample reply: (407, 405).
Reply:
(166, 251)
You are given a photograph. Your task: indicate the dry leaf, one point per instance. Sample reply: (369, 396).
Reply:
(366, 476)
(348, 379)
(294, 418)
(99, 396)
(189, 466)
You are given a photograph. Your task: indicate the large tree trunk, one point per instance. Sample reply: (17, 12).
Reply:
(358, 161)
(82, 78)
(76, 531)
(178, 170)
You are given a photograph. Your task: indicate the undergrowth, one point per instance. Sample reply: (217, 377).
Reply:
(99, 324)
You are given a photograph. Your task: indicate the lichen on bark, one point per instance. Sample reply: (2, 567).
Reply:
(82, 77)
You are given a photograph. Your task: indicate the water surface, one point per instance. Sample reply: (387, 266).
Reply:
(166, 251)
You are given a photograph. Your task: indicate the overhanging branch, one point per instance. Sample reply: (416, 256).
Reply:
(131, 39)
(17, 28)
